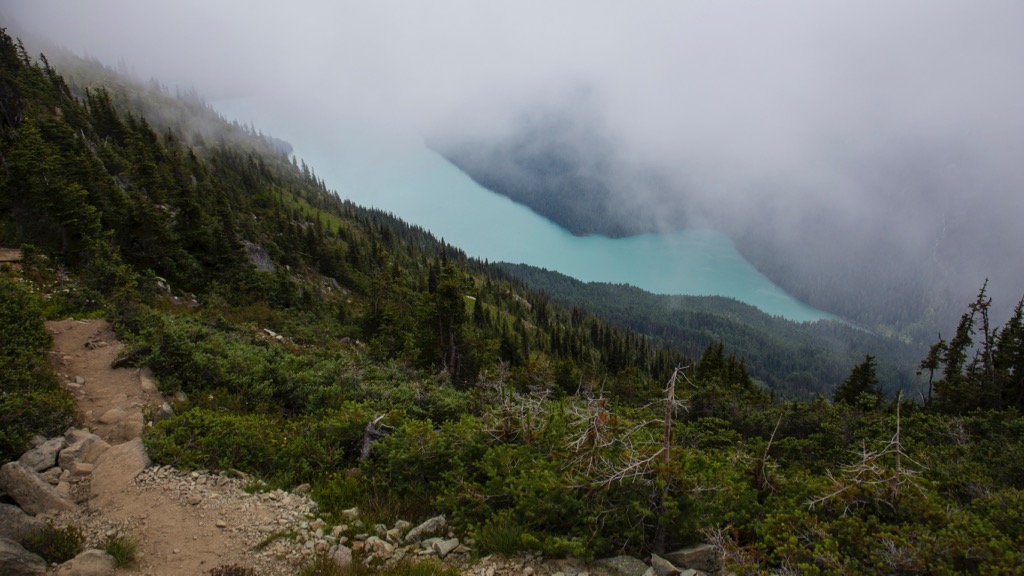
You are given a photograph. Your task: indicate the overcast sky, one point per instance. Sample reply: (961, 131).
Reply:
(771, 104)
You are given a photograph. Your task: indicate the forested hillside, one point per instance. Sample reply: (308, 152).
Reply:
(318, 342)
(793, 360)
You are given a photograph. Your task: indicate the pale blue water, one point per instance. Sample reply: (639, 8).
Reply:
(397, 173)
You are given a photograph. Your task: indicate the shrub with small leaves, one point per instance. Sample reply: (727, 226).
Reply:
(53, 544)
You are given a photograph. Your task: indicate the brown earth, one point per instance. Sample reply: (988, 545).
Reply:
(174, 537)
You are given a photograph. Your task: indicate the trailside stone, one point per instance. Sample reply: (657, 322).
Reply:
(82, 447)
(445, 547)
(623, 566)
(663, 567)
(702, 557)
(14, 523)
(92, 562)
(44, 455)
(432, 527)
(16, 561)
(342, 556)
(117, 467)
(30, 490)
(113, 416)
(148, 381)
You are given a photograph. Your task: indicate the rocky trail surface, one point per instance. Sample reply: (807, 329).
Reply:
(189, 523)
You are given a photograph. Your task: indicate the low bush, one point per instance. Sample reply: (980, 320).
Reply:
(53, 544)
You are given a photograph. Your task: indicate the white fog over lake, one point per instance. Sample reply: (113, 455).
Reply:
(386, 168)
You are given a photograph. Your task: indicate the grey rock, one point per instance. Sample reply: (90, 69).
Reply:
(92, 562)
(445, 547)
(16, 561)
(82, 447)
(350, 514)
(702, 558)
(117, 467)
(403, 526)
(15, 524)
(81, 469)
(342, 556)
(432, 527)
(623, 566)
(148, 381)
(52, 475)
(113, 416)
(44, 455)
(663, 567)
(30, 490)
(36, 440)
(128, 429)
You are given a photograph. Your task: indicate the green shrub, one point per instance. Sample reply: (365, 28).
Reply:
(31, 399)
(53, 544)
(502, 534)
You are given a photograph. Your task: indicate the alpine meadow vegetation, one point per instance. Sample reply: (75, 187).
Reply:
(315, 341)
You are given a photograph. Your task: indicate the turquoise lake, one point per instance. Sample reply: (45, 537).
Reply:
(397, 173)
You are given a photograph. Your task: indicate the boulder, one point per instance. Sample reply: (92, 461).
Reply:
(44, 455)
(113, 416)
(92, 562)
(445, 547)
(15, 524)
(82, 447)
(432, 527)
(117, 467)
(34, 494)
(342, 556)
(663, 567)
(127, 429)
(16, 561)
(623, 566)
(374, 545)
(702, 558)
(148, 381)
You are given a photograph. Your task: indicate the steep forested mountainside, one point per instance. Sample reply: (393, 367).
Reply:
(793, 360)
(318, 342)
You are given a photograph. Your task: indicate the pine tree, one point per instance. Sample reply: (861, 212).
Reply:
(861, 386)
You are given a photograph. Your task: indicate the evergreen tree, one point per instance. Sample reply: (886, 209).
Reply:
(861, 386)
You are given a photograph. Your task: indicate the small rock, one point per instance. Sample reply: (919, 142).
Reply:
(43, 456)
(194, 499)
(148, 381)
(15, 560)
(431, 527)
(15, 523)
(92, 562)
(445, 547)
(623, 566)
(663, 567)
(30, 491)
(113, 416)
(302, 489)
(351, 514)
(221, 524)
(53, 475)
(702, 558)
(342, 556)
(81, 469)
(79, 380)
